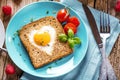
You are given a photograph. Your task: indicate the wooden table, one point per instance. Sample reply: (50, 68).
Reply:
(17, 4)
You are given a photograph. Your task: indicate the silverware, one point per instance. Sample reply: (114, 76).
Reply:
(93, 25)
(97, 37)
(2, 36)
(106, 67)
(105, 62)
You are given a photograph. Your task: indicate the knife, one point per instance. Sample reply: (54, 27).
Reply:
(105, 66)
(93, 25)
(91, 20)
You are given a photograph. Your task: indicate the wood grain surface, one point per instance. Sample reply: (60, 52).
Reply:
(17, 4)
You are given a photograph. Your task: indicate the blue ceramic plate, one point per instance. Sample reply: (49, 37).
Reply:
(18, 53)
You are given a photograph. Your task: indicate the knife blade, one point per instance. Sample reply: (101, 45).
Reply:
(93, 25)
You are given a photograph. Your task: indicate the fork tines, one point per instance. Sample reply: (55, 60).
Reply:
(104, 20)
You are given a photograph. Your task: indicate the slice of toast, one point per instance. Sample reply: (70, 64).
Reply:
(38, 57)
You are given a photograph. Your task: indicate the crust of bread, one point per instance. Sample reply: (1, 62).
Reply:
(38, 57)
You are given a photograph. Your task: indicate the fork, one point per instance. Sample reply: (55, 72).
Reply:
(106, 72)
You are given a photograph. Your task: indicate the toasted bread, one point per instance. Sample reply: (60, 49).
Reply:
(38, 57)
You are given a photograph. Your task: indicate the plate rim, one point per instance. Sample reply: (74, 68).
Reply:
(6, 41)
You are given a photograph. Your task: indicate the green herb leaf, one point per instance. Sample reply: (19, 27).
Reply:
(63, 37)
(71, 43)
(70, 33)
(77, 40)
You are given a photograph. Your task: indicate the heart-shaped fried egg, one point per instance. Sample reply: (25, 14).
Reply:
(44, 38)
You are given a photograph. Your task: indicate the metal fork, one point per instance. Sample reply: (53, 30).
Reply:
(106, 72)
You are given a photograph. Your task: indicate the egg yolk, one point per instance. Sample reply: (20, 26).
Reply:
(42, 38)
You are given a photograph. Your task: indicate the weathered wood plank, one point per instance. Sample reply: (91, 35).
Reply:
(17, 4)
(90, 3)
(8, 60)
(15, 7)
(118, 52)
(97, 6)
(2, 54)
(84, 1)
(2, 63)
(2, 2)
(15, 76)
(115, 58)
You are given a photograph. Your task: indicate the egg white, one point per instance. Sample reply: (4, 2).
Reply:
(48, 48)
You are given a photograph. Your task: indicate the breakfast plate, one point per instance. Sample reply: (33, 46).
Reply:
(18, 53)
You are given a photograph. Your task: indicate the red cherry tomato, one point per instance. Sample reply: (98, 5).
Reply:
(74, 20)
(62, 15)
(10, 69)
(70, 26)
(117, 6)
(7, 10)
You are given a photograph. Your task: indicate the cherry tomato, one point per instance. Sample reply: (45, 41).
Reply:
(62, 15)
(70, 26)
(117, 6)
(74, 20)
(10, 69)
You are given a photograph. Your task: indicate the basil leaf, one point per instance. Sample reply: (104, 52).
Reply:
(77, 40)
(70, 33)
(71, 43)
(63, 37)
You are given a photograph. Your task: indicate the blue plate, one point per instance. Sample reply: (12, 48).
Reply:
(18, 53)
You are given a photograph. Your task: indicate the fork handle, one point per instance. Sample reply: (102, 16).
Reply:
(108, 69)
(103, 68)
(110, 72)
